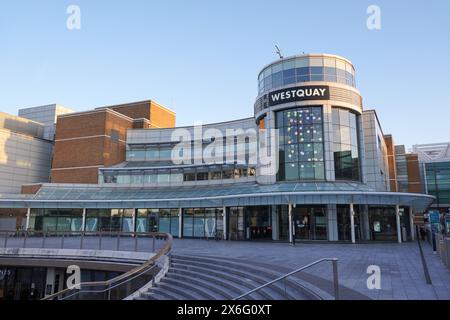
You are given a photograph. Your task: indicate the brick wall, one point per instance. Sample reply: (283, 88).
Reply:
(90, 140)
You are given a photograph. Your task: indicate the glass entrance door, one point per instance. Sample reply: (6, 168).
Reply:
(236, 223)
(310, 223)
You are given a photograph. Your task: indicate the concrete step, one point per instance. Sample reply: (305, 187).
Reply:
(227, 290)
(289, 289)
(236, 285)
(242, 280)
(159, 295)
(203, 290)
(180, 291)
(215, 278)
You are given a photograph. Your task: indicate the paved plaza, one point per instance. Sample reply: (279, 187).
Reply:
(402, 275)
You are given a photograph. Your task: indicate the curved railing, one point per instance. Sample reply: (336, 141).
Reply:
(334, 262)
(121, 286)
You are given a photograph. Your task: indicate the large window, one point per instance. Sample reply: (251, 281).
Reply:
(56, 219)
(109, 220)
(301, 144)
(304, 69)
(202, 222)
(345, 145)
(177, 175)
(158, 220)
(438, 181)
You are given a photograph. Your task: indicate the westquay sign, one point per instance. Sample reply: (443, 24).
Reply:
(299, 94)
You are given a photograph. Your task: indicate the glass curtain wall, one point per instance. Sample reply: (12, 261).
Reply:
(345, 145)
(309, 222)
(344, 225)
(56, 219)
(438, 182)
(158, 220)
(305, 69)
(109, 220)
(202, 222)
(301, 144)
(383, 223)
(258, 222)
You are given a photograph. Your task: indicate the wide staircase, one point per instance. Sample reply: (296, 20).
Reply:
(214, 278)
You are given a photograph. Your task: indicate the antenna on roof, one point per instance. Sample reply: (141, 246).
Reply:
(278, 52)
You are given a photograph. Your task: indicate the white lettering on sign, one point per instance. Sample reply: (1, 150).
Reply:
(298, 93)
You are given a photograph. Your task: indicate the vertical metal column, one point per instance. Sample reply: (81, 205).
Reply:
(180, 223)
(411, 224)
(83, 221)
(352, 223)
(27, 224)
(225, 227)
(133, 220)
(290, 222)
(399, 231)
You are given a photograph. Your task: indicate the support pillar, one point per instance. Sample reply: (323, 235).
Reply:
(225, 223)
(133, 220)
(352, 223)
(411, 223)
(399, 231)
(333, 232)
(83, 221)
(290, 222)
(180, 223)
(27, 223)
(275, 223)
(364, 222)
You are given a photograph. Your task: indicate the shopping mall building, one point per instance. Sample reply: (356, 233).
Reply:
(311, 163)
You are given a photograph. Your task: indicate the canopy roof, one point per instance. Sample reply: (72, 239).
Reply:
(243, 194)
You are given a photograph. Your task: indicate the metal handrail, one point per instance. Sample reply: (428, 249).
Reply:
(136, 271)
(25, 234)
(109, 288)
(335, 278)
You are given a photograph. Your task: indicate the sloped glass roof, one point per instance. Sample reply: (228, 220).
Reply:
(244, 194)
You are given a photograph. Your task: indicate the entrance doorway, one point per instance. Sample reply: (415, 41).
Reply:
(258, 222)
(236, 223)
(310, 223)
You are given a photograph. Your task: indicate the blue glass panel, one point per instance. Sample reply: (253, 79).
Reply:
(330, 78)
(317, 70)
(302, 71)
(289, 80)
(289, 73)
(330, 71)
(303, 78)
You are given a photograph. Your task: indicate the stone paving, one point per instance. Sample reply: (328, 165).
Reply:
(402, 275)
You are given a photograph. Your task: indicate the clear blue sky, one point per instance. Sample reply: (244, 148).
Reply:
(201, 58)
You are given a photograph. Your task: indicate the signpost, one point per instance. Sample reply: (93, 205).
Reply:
(435, 226)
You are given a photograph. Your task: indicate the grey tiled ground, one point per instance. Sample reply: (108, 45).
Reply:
(402, 275)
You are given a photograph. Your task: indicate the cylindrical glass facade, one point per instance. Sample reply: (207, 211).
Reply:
(304, 69)
(301, 144)
(345, 145)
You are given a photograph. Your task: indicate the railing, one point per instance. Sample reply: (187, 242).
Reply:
(114, 289)
(121, 286)
(443, 248)
(94, 240)
(334, 262)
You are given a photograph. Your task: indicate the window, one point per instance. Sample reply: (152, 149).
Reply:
(345, 145)
(301, 144)
(306, 69)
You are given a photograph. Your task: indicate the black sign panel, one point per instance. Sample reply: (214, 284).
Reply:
(299, 94)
